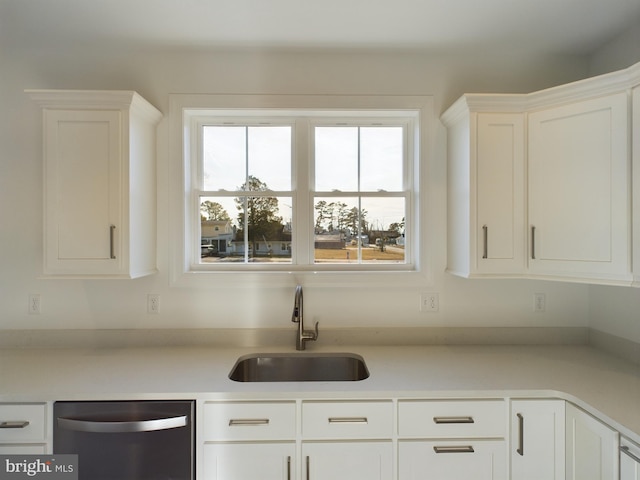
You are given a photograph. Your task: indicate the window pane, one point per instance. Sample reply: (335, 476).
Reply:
(336, 159)
(233, 153)
(224, 157)
(267, 221)
(335, 227)
(270, 156)
(385, 223)
(381, 158)
(345, 233)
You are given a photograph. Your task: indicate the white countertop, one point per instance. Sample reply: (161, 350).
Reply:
(596, 381)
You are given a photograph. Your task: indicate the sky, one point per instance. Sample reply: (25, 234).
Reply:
(346, 159)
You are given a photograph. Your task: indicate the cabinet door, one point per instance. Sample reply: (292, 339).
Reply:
(591, 447)
(247, 461)
(579, 198)
(347, 461)
(635, 168)
(82, 152)
(537, 440)
(500, 245)
(452, 460)
(629, 460)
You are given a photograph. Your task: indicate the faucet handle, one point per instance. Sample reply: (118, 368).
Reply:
(315, 335)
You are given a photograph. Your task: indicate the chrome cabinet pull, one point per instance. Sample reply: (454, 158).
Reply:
(449, 420)
(454, 449)
(112, 252)
(14, 424)
(348, 420)
(122, 427)
(240, 422)
(520, 448)
(485, 236)
(533, 242)
(624, 449)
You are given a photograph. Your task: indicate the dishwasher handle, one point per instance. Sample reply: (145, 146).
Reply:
(93, 426)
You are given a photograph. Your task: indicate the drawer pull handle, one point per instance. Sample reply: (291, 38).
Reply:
(485, 236)
(348, 420)
(624, 449)
(14, 424)
(289, 468)
(520, 448)
(308, 462)
(448, 420)
(243, 422)
(454, 449)
(533, 242)
(112, 252)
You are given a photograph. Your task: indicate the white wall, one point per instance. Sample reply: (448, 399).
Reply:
(615, 310)
(71, 304)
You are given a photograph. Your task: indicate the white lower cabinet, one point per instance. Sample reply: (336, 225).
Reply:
(352, 460)
(248, 440)
(247, 461)
(629, 460)
(591, 447)
(347, 440)
(537, 442)
(452, 460)
(23, 428)
(388, 439)
(452, 440)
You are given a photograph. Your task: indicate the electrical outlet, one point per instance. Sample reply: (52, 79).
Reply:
(34, 304)
(153, 303)
(539, 302)
(429, 302)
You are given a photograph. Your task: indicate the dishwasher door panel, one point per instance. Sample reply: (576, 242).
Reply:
(140, 440)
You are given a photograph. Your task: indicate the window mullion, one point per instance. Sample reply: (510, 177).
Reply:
(302, 193)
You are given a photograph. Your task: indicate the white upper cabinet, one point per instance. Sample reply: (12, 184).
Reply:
(635, 146)
(579, 190)
(486, 191)
(629, 460)
(99, 183)
(540, 184)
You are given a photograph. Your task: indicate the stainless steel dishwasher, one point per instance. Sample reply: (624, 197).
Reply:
(128, 440)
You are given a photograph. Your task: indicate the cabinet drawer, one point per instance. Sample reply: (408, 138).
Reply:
(249, 421)
(23, 449)
(347, 420)
(452, 418)
(452, 460)
(22, 422)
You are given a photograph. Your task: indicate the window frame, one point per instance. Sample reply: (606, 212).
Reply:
(187, 110)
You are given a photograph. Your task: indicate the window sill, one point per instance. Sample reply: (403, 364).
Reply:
(319, 278)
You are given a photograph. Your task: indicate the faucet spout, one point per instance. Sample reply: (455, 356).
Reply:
(298, 317)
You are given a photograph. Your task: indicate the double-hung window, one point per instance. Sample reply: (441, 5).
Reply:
(301, 189)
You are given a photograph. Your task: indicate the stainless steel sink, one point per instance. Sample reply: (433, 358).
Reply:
(299, 367)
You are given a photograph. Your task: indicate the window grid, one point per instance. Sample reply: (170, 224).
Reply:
(303, 185)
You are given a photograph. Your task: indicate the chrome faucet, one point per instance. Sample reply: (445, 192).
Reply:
(297, 317)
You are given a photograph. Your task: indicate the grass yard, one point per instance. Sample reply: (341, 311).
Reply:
(391, 254)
